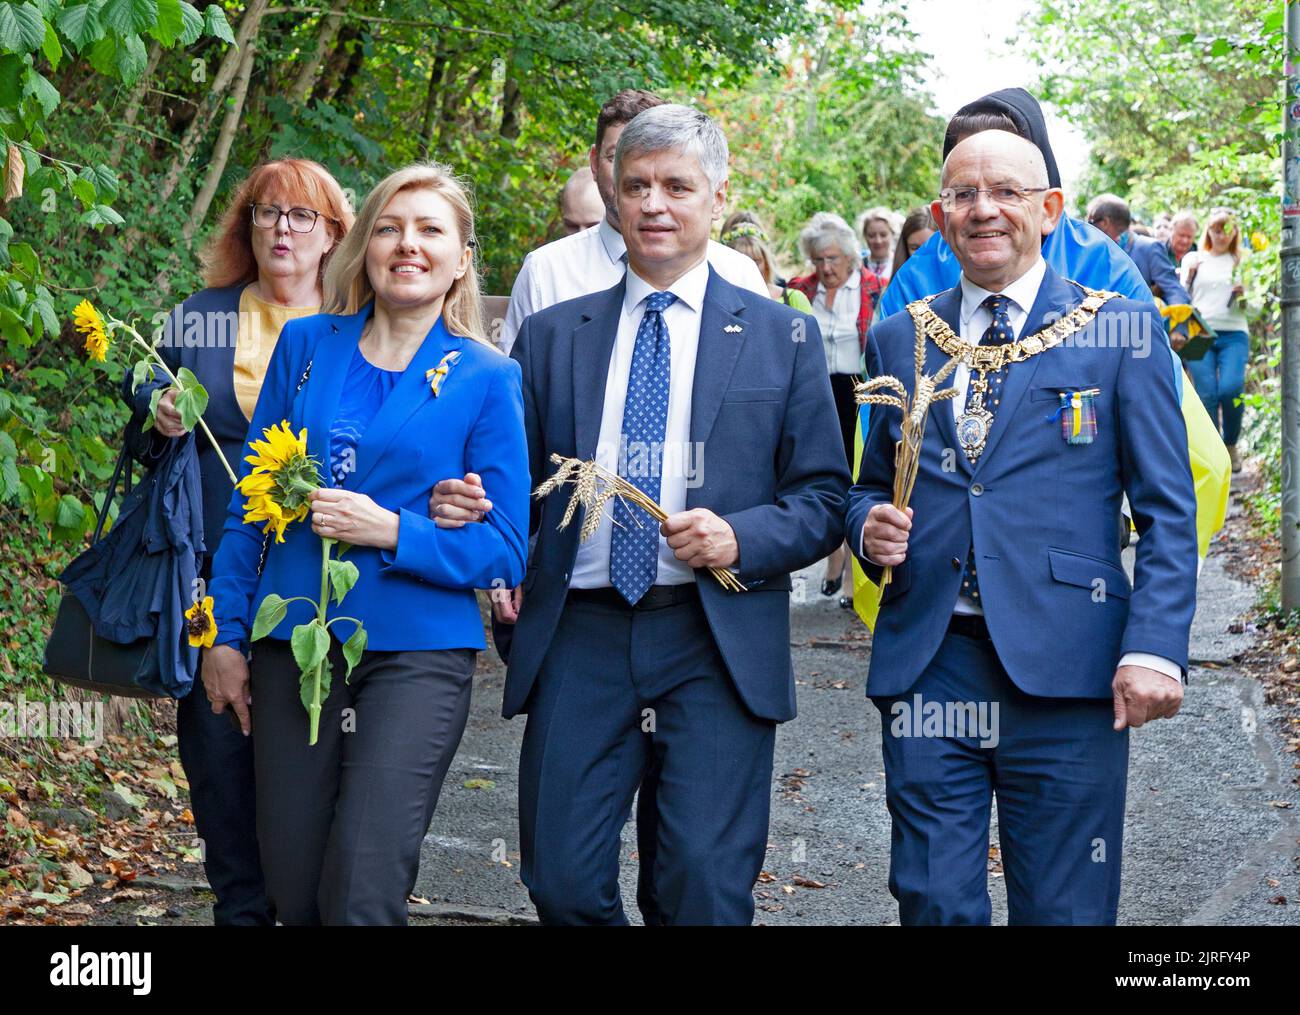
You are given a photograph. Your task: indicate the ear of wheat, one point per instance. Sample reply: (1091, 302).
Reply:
(889, 390)
(593, 487)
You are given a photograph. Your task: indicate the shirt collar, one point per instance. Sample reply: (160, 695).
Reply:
(1022, 292)
(852, 282)
(689, 289)
(612, 240)
(1125, 240)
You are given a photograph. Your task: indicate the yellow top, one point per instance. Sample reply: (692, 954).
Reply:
(259, 329)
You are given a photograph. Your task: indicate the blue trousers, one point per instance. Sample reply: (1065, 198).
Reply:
(1058, 770)
(1220, 378)
(618, 690)
(218, 762)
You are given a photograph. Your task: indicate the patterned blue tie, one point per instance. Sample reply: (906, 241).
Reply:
(999, 332)
(634, 544)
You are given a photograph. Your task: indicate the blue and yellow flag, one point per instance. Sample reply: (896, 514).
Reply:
(866, 593)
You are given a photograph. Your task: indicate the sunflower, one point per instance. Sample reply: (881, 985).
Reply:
(200, 624)
(283, 477)
(86, 319)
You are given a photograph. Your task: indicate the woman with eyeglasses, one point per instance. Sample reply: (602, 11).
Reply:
(264, 266)
(843, 294)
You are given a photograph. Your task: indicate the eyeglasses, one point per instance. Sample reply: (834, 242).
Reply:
(829, 259)
(267, 216)
(964, 198)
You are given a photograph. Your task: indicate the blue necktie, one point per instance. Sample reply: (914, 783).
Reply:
(999, 332)
(634, 544)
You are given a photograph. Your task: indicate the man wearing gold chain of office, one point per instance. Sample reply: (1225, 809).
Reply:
(1007, 599)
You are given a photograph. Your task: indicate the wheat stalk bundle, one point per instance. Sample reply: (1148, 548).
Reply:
(907, 451)
(592, 487)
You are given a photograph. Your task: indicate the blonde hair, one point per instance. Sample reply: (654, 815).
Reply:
(743, 232)
(880, 213)
(1218, 216)
(347, 286)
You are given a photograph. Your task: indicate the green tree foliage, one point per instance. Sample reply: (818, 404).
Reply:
(1182, 105)
(840, 124)
(54, 407)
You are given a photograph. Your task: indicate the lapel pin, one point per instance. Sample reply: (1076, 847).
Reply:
(438, 374)
(733, 329)
(1078, 415)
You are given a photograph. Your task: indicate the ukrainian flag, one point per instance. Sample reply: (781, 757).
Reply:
(866, 593)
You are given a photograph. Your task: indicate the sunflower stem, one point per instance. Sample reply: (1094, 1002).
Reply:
(313, 712)
(159, 361)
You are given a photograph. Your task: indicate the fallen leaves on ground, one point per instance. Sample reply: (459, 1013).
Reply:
(84, 822)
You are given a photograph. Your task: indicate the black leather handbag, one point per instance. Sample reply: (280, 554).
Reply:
(77, 656)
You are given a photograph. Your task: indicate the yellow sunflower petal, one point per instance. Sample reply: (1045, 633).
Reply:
(201, 626)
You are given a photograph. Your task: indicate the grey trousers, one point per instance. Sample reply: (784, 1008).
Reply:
(340, 823)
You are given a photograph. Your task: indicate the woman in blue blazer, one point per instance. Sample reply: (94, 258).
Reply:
(340, 823)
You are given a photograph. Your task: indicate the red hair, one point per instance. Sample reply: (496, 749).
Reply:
(228, 255)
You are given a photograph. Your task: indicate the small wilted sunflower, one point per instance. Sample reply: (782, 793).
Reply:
(283, 477)
(200, 624)
(86, 319)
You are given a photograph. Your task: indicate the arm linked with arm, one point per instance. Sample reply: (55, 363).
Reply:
(489, 554)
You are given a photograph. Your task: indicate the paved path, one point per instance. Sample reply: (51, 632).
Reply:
(1204, 832)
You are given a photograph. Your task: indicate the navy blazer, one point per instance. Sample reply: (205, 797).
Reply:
(1157, 269)
(773, 468)
(200, 334)
(1043, 514)
(420, 596)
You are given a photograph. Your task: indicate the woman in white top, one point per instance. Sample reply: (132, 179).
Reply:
(1212, 276)
(878, 228)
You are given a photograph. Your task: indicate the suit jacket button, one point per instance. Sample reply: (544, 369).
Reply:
(956, 563)
(976, 489)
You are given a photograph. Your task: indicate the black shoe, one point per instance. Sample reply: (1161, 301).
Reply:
(829, 588)
(846, 602)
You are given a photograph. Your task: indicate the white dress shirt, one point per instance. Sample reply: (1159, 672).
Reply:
(592, 261)
(682, 318)
(975, 320)
(839, 324)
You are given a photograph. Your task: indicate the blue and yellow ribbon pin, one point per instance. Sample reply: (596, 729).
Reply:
(1078, 416)
(438, 374)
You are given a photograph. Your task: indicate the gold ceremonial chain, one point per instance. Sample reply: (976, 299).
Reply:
(987, 358)
(975, 421)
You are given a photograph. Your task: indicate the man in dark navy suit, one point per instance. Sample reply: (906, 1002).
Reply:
(1011, 653)
(1111, 215)
(715, 402)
